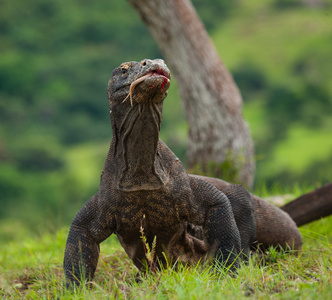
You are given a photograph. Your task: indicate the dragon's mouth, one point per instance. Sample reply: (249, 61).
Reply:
(152, 73)
(159, 72)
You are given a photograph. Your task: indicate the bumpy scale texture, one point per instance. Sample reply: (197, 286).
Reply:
(144, 186)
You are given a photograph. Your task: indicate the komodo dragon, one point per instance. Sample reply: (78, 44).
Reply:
(144, 185)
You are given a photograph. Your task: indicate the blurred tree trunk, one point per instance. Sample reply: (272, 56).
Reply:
(218, 135)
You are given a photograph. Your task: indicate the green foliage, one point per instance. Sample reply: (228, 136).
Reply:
(280, 60)
(306, 101)
(55, 62)
(228, 170)
(287, 4)
(38, 155)
(317, 173)
(250, 79)
(213, 12)
(295, 4)
(56, 58)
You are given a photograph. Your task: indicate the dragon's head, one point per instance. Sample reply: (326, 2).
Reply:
(139, 82)
(135, 86)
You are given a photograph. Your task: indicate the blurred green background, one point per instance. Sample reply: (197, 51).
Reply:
(56, 59)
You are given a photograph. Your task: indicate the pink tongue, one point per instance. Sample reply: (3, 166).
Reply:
(163, 84)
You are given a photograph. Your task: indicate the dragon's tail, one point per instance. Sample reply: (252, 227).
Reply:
(311, 206)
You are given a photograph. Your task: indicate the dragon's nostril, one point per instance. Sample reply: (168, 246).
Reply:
(143, 63)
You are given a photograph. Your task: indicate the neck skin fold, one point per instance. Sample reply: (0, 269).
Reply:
(136, 150)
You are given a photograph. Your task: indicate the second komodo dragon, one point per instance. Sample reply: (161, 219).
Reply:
(144, 185)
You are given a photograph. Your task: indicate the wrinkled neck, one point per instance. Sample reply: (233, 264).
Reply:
(136, 152)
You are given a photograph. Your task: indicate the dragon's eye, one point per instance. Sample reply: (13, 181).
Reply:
(124, 68)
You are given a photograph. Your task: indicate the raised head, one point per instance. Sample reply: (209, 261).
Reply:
(139, 82)
(134, 86)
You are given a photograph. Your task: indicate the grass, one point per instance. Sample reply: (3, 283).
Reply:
(31, 268)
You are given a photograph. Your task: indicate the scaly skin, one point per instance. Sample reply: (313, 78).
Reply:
(143, 184)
